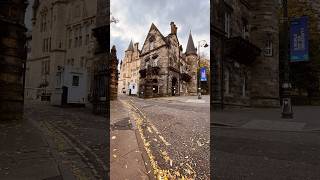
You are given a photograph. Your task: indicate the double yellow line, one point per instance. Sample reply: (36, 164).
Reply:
(160, 174)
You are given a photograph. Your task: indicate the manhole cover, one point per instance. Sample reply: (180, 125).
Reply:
(122, 124)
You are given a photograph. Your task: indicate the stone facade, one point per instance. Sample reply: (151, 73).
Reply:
(245, 69)
(129, 70)
(61, 36)
(12, 58)
(164, 69)
(114, 74)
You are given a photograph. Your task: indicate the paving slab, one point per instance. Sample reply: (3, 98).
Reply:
(126, 160)
(24, 154)
(274, 125)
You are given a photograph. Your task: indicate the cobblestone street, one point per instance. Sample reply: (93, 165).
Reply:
(79, 137)
(174, 132)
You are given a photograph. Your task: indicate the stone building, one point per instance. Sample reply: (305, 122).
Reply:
(164, 69)
(129, 70)
(61, 42)
(12, 58)
(114, 74)
(245, 68)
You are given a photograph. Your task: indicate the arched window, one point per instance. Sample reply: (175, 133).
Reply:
(43, 19)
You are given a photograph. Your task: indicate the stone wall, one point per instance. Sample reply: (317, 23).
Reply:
(239, 83)
(265, 70)
(12, 57)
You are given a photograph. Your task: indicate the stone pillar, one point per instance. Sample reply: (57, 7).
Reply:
(193, 84)
(217, 55)
(13, 55)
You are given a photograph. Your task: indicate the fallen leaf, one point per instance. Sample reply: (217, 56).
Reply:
(199, 143)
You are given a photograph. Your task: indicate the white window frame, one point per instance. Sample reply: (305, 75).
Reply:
(268, 51)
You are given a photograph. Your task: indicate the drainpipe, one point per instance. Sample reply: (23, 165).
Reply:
(222, 74)
(168, 73)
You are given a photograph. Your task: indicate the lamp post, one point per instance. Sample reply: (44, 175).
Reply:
(204, 44)
(286, 85)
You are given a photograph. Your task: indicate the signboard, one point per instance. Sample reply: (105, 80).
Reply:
(203, 75)
(299, 39)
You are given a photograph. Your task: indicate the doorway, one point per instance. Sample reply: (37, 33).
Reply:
(174, 86)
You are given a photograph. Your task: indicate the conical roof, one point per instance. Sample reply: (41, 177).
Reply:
(130, 48)
(190, 46)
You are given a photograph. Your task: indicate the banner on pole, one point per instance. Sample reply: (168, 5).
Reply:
(299, 39)
(203, 75)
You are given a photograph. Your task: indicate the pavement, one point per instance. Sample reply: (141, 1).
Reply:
(256, 143)
(306, 118)
(25, 153)
(126, 159)
(54, 143)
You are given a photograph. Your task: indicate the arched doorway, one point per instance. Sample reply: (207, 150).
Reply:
(174, 88)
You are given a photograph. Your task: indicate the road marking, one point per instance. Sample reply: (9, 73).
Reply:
(140, 119)
(196, 101)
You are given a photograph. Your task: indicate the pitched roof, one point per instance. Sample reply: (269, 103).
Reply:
(130, 48)
(148, 35)
(190, 46)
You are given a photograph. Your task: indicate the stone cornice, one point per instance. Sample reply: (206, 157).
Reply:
(40, 58)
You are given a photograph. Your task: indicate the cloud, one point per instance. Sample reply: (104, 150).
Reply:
(28, 15)
(136, 16)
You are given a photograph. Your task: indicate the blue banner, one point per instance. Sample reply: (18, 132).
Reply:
(203, 75)
(299, 39)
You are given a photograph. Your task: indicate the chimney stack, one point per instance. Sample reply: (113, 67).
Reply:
(173, 28)
(136, 46)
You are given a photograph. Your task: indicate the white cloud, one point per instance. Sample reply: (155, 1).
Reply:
(135, 18)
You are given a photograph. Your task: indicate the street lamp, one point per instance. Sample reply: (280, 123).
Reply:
(204, 44)
(286, 100)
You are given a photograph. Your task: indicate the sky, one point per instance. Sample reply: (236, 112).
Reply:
(135, 18)
(28, 15)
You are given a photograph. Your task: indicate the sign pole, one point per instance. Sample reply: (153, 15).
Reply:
(286, 100)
